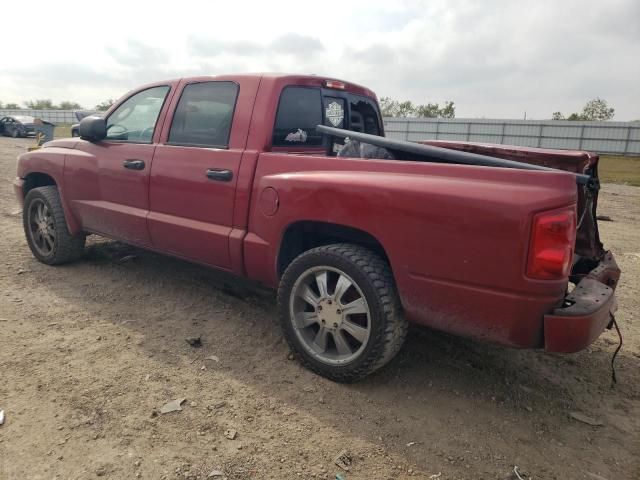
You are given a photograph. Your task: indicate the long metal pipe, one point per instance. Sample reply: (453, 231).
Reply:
(441, 154)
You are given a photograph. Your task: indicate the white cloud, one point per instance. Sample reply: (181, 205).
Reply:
(496, 58)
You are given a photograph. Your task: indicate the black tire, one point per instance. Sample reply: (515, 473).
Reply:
(15, 133)
(66, 247)
(374, 278)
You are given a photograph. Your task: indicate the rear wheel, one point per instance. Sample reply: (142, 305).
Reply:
(340, 311)
(14, 133)
(46, 228)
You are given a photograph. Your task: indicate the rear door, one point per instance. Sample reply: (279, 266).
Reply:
(107, 182)
(195, 172)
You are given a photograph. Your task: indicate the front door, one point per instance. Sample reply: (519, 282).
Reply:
(108, 183)
(194, 176)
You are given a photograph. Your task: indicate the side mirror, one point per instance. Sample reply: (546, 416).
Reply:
(93, 129)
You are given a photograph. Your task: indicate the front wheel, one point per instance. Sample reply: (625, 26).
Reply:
(340, 311)
(46, 228)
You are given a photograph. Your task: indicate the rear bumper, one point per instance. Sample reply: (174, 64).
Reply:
(588, 310)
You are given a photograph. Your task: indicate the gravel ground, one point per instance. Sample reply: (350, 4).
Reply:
(90, 352)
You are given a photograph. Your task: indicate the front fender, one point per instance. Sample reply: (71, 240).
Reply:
(48, 161)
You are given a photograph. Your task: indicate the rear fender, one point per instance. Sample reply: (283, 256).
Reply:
(444, 226)
(456, 236)
(588, 242)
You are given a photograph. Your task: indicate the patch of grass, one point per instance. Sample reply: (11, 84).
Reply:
(62, 131)
(618, 169)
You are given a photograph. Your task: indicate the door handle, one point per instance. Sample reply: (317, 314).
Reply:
(220, 175)
(133, 164)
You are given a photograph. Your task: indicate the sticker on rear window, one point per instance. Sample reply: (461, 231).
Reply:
(299, 136)
(335, 113)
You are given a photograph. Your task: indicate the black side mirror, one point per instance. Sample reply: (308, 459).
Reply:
(93, 129)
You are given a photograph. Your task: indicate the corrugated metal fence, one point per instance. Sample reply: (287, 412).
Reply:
(53, 116)
(616, 138)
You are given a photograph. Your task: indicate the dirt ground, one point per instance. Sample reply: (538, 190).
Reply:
(89, 352)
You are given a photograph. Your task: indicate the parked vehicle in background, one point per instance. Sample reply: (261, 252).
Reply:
(251, 174)
(18, 126)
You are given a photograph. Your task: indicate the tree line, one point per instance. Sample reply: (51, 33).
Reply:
(396, 108)
(595, 109)
(47, 104)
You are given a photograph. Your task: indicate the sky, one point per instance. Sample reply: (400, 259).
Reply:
(493, 58)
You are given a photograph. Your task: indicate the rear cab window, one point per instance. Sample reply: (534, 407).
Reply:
(300, 109)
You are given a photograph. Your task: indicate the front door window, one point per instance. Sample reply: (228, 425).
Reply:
(135, 120)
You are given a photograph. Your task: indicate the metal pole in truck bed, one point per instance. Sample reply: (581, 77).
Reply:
(440, 154)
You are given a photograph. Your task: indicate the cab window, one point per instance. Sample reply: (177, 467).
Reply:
(204, 115)
(299, 112)
(301, 109)
(135, 120)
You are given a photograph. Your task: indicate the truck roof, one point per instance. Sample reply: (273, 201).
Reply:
(273, 79)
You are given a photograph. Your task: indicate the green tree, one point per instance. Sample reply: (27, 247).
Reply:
(595, 109)
(598, 109)
(67, 105)
(394, 108)
(448, 110)
(103, 106)
(40, 104)
(406, 109)
(433, 110)
(12, 106)
(388, 107)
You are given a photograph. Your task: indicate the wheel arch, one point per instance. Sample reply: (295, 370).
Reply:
(37, 179)
(304, 235)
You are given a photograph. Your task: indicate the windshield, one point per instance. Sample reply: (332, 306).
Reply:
(24, 119)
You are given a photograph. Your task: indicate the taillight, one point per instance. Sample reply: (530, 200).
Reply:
(553, 237)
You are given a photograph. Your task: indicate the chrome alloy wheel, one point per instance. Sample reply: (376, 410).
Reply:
(330, 315)
(42, 227)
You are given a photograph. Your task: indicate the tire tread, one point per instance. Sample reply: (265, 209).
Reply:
(379, 275)
(68, 247)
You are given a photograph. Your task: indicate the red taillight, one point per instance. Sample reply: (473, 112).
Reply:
(334, 84)
(553, 237)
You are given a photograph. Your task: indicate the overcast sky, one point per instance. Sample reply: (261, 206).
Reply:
(493, 58)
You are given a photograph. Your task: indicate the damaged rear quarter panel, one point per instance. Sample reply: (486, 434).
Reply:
(456, 236)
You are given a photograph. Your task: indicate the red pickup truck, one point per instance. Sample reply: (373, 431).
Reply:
(252, 174)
